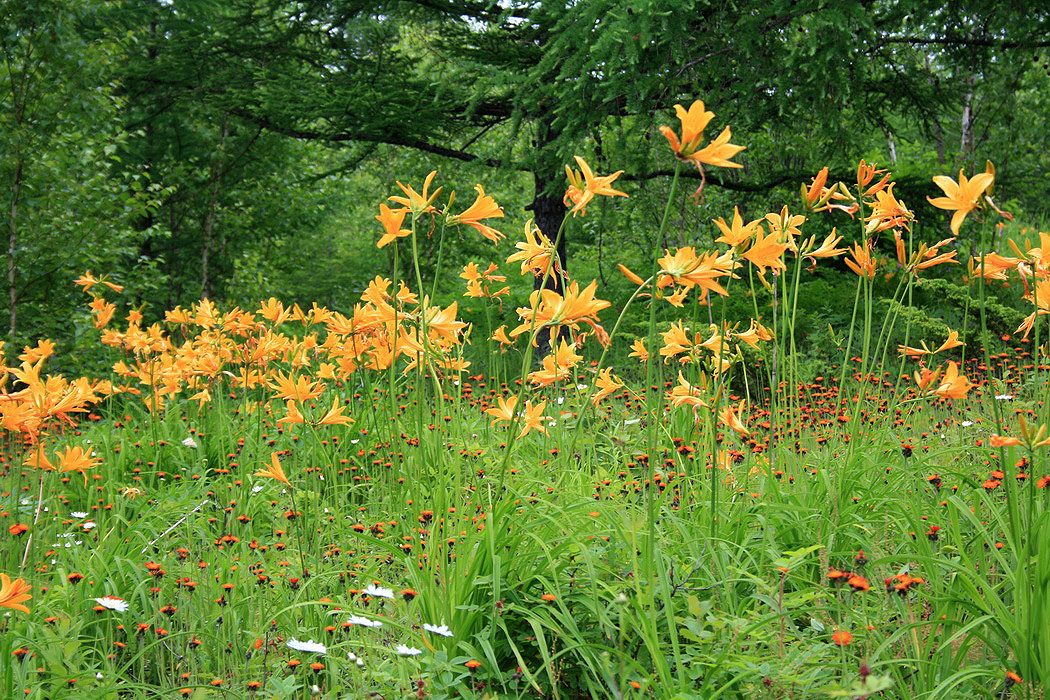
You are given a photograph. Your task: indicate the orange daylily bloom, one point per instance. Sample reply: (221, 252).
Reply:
(732, 419)
(274, 470)
(826, 249)
(638, 346)
(547, 308)
(74, 459)
(417, 203)
(536, 252)
(887, 212)
(504, 411)
(500, 334)
(391, 219)
(736, 233)
(334, 415)
(767, 252)
(1003, 441)
(583, 186)
(14, 593)
(295, 388)
(685, 394)
(862, 263)
(607, 383)
(953, 385)
(694, 121)
(484, 207)
(961, 196)
(557, 366)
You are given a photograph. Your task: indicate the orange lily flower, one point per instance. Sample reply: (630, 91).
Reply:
(274, 470)
(74, 459)
(767, 252)
(536, 252)
(694, 121)
(391, 220)
(334, 415)
(418, 203)
(953, 385)
(732, 419)
(961, 196)
(862, 263)
(484, 207)
(638, 346)
(607, 383)
(14, 593)
(583, 187)
(736, 233)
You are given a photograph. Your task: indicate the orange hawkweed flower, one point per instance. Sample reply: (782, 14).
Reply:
(484, 207)
(274, 470)
(841, 638)
(14, 593)
(961, 196)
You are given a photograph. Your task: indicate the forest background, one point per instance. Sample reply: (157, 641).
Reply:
(239, 149)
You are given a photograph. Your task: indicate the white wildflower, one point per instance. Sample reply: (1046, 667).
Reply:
(408, 651)
(310, 646)
(443, 630)
(378, 592)
(113, 603)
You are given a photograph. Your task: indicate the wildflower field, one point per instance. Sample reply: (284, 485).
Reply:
(393, 502)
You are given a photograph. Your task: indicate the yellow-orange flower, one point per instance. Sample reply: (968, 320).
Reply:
(767, 252)
(961, 196)
(953, 385)
(731, 418)
(484, 207)
(535, 253)
(584, 185)
(607, 384)
(694, 121)
(274, 470)
(74, 459)
(416, 202)
(14, 593)
(736, 233)
(391, 219)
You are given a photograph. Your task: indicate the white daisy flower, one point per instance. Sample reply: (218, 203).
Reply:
(966, 423)
(408, 651)
(189, 442)
(1003, 397)
(443, 630)
(310, 646)
(113, 603)
(78, 514)
(364, 621)
(378, 592)
(89, 525)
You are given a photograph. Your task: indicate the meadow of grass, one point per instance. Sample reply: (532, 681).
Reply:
(280, 502)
